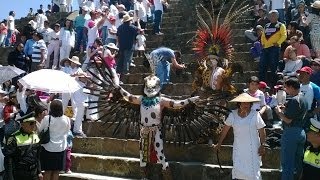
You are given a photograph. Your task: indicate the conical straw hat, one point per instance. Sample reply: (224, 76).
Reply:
(245, 97)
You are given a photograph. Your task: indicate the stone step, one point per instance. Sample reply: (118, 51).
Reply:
(85, 176)
(188, 153)
(175, 89)
(138, 78)
(129, 168)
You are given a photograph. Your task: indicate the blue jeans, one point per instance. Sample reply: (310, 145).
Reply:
(269, 58)
(163, 72)
(125, 58)
(157, 21)
(281, 15)
(8, 38)
(292, 147)
(81, 38)
(104, 35)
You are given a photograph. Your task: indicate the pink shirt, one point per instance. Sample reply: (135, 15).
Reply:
(302, 49)
(3, 29)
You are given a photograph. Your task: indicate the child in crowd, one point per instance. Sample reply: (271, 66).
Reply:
(68, 152)
(109, 56)
(256, 48)
(253, 90)
(3, 34)
(292, 64)
(140, 43)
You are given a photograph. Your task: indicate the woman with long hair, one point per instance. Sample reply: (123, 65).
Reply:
(67, 39)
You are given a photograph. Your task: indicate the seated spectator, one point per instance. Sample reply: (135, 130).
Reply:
(300, 15)
(293, 30)
(303, 50)
(17, 57)
(271, 102)
(262, 21)
(256, 49)
(292, 64)
(315, 76)
(259, 4)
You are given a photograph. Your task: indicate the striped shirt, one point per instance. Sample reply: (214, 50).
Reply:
(36, 53)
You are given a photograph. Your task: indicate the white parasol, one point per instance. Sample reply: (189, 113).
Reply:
(50, 81)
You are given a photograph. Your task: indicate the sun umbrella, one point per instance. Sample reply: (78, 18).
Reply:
(50, 81)
(9, 72)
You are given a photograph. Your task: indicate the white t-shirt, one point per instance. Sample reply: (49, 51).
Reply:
(114, 10)
(54, 35)
(40, 21)
(260, 95)
(11, 23)
(158, 5)
(46, 34)
(114, 29)
(142, 14)
(278, 4)
(307, 91)
(93, 34)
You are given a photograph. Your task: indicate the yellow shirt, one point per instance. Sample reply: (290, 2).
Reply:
(273, 33)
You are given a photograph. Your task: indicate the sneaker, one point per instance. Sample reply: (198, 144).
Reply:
(68, 171)
(159, 33)
(132, 65)
(80, 135)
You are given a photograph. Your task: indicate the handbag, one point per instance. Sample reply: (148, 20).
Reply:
(44, 135)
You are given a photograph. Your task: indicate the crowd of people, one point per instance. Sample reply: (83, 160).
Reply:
(105, 32)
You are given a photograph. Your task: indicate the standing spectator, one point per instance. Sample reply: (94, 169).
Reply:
(68, 152)
(273, 36)
(311, 169)
(41, 18)
(249, 138)
(127, 3)
(30, 13)
(40, 112)
(21, 97)
(39, 53)
(69, 5)
(3, 34)
(33, 22)
(109, 57)
(313, 20)
(20, 163)
(126, 36)
(52, 153)
(67, 39)
(256, 48)
(105, 26)
(28, 31)
(63, 5)
(54, 47)
(81, 3)
(41, 7)
(158, 7)
(11, 27)
(80, 33)
(17, 58)
(46, 31)
(315, 76)
(140, 14)
(293, 138)
(140, 43)
(55, 7)
(28, 51)
(112, 31)
(49, 10)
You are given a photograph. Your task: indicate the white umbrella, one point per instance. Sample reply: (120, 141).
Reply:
(9, 72)
(50, 81)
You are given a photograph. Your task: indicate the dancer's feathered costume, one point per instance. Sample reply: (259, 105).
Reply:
(152, 115)
(214, 50)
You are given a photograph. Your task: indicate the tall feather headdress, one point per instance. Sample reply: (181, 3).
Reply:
(214, 37)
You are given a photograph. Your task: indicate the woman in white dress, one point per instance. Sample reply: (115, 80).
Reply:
(248, 148)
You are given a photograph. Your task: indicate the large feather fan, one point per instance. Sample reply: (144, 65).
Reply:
(179, 125)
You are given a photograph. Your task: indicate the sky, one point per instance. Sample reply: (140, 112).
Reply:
(21, 7)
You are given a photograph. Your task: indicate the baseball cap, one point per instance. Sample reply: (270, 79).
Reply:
(263, 85)
(305, 69)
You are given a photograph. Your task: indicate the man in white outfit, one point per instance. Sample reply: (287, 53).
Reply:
(78, 98)
(63, 5)
(54, 47)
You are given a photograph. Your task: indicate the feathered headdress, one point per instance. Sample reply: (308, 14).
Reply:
(214, 38)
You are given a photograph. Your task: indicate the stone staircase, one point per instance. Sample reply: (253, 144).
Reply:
(99, 156)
